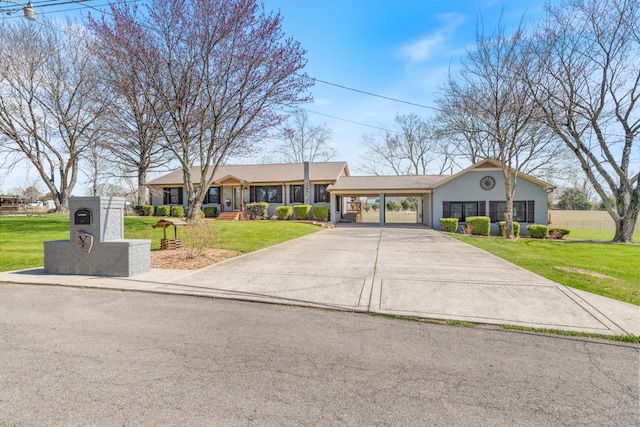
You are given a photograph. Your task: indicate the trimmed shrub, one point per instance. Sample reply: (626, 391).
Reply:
(538, 231)
(163, 210)
(320, 213)
(479, 225)
(148, 210)
(259, 209)
(558, 233)
(177, 211)
(449, 224)
(210, 211)
(139, 210)
(503, 224)
(374, 207)
(284, 212)
(301, 211)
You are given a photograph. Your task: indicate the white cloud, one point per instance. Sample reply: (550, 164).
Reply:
(426, 47)
(423, 49)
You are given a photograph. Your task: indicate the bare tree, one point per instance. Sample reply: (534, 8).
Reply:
(48, 112)
(221, 70)
(304, 141)
(413, 147)
(587, 75)
(492, 109)
(131, 136)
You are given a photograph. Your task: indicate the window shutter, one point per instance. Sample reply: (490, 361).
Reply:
(316, 193)
(493, 211)
(180, 200)
(252, 194)
(165, 196)
(291, 200)
(278, 193)
(531, 212)
(482, 208)
(446, 209)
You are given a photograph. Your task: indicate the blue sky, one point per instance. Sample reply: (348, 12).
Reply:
(399, 49)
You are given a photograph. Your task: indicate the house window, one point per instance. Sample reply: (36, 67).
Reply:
(296, 193)
(322, 195)
(523, 211)
(462, 210)
(266, 193)
(213, 195)
(172, 196)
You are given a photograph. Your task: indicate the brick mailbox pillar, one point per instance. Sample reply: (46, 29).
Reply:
(97, 246)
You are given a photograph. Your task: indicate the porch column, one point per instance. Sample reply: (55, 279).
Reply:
(381, 209)
(332, 208)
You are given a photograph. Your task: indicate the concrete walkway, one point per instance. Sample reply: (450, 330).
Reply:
(407, 271)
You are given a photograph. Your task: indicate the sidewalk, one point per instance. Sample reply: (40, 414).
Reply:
(391, 270)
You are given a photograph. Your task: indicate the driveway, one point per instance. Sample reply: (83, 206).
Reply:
(407, 271)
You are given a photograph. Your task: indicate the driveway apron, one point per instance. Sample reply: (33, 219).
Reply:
(409, 271)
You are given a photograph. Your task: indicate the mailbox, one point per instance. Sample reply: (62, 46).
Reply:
(82, 217)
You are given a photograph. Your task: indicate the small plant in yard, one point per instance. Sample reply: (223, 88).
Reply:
(558, 233)
(538, 231)
(449, 224)
(210, 211)
(284, 212)
(163, 210)
(148, 210)
(320, 213)
(198, 237)
(259, 210)
(478, 225)
(301, 212)
(177, 211)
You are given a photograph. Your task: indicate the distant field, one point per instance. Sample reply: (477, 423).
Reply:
(583, 220)
(408, 217)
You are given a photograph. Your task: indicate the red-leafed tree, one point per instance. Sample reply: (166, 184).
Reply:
(222, 70)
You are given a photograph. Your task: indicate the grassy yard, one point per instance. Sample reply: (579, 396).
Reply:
(21, 237)
(611, 270)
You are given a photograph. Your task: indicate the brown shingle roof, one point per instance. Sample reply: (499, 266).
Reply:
(285, 172)
(371, 183)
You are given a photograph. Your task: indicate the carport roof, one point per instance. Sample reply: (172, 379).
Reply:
(372, 184)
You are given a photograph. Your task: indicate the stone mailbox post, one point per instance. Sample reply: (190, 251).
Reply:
(96, 246)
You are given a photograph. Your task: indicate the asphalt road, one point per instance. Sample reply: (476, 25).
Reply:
(95, 357)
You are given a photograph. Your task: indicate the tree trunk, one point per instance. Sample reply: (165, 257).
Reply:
(141, 198)
(627, 207)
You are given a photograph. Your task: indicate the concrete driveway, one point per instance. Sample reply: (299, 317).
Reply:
(408, 271)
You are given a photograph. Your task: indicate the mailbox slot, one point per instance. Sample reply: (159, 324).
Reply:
(82, 217)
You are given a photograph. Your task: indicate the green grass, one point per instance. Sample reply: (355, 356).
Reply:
(605, 235)
(619, 263)
(21, 238)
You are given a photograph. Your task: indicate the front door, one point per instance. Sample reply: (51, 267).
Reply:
(237, 198)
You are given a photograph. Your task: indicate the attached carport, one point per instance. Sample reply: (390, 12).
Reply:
(382, 187)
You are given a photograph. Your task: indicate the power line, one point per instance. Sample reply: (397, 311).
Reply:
(349, 121)
(376, 95)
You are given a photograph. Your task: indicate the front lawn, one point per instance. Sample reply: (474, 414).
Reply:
(607, 269)
(22, 237)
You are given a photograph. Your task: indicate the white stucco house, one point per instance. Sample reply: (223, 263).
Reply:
(477, 190)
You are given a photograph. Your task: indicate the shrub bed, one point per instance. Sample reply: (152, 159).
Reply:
(177, 211)
(478, 225)
(320, 213)
(301, 211)
(210, 211)
(502, 225)
(449, 224)
(259, 209)
(284, 212)
(558, 233)
(538, 231)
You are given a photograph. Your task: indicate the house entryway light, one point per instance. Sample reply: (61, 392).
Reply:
(28, 10)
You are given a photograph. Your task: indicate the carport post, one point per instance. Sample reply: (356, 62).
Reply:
(332, 214)
(381, 208)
